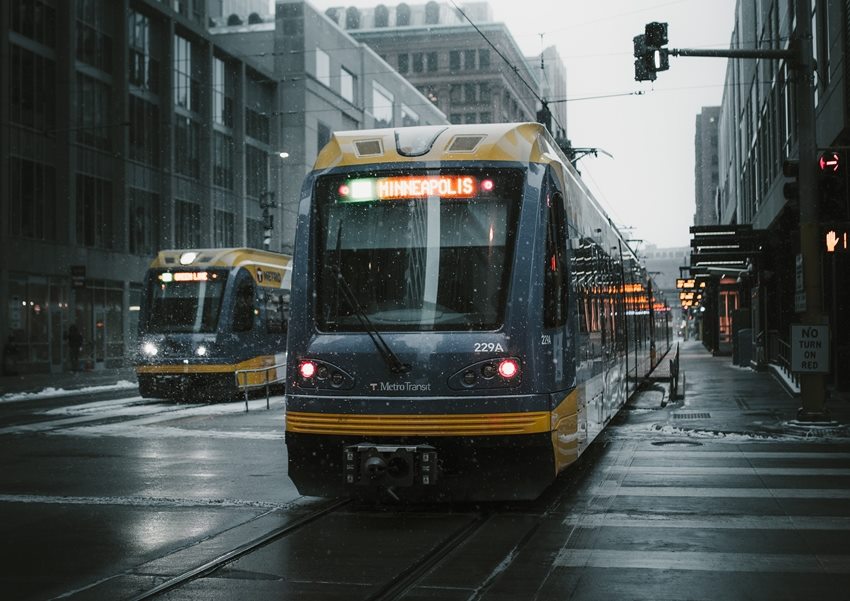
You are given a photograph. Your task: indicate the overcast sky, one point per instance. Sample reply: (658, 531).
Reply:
(649, 184)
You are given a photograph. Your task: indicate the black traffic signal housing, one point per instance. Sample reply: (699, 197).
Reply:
(832, 186)
(650, 55)
(791, 170)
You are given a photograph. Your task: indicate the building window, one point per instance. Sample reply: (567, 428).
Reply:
(257, 125)
(456, 93)
(455, 118)
(382, 16)
(469, 93)
(454, 60)
(32, 97)
(485, 117)
(187, 224)
(323, 67)
(187, 147)
(484, 58)
(32, 199)
(94, 46)
(432, 13)
(403, 63)
(144, 131)
(223, 229)
(144, 222)
(94, 212)
(469, 59)
(222, 160)
(143, 69)
(34, 19)
(352, 18)
(402, 15)
(346, 84)
(484, 92)
(222, 88)
(470, 118)
(431, 60)
(418, 63)
(382, 105)
(256, 171)
(93, 127)
(186, 88)
(409, 117)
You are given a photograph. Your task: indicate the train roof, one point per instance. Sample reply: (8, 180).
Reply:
(516, 142)
(220, 257)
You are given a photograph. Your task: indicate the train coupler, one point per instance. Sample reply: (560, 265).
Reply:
(390, 466)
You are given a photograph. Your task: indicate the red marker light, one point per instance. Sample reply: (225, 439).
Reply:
(508, 368)
(344, 190)
(307, 369)
(487, 185)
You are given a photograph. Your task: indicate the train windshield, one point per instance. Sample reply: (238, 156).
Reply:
(187, 301)
(418, 250)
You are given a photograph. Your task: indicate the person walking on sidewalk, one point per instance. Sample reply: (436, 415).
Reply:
(75, 345)
(10, 357)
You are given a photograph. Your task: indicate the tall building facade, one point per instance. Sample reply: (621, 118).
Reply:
(126, 129)
(473, 74)
(130, 126)
(329, 82)
(757, 133)
(706, 174)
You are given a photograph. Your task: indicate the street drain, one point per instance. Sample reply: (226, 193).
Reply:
(691, 415)
(677, 443)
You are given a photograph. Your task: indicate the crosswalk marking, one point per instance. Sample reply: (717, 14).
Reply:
(731, 493)
(703, 561)
(721, 522)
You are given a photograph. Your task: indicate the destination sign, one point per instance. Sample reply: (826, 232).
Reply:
(393, 188)
(185, 276)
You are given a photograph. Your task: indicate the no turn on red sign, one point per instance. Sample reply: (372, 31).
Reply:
(810, 348)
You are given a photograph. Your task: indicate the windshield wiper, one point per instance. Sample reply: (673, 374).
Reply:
(391, 359)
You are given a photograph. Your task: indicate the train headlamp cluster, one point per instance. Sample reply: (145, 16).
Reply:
(150, 349)
(319, 374)
(491, 373)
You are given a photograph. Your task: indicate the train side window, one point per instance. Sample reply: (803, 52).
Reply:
(555, 280)
(243, 308)
(277, 311)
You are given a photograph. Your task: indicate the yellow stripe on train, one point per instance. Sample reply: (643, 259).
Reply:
(480, 424)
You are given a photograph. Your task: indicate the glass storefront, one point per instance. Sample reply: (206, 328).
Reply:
(42, 309)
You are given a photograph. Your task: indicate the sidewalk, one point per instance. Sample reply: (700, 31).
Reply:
(721, 399)
(45, 385)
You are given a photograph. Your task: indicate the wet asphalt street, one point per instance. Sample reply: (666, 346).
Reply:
(717, 496)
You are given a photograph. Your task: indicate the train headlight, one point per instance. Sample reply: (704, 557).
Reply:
(201, 351)
(508, 368)
(149, 349)
(307, 369)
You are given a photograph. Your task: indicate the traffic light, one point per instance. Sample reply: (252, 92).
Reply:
(832, 186)
(791, 189)
(650, 55)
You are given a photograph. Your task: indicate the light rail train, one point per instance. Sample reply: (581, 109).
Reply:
(207, 313)
(466, 319)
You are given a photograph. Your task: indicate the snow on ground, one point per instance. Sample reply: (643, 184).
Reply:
(51, 392)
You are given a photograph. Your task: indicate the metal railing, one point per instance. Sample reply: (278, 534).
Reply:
(247, 386)
(779, 353)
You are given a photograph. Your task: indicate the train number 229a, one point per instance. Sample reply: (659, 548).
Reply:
(489, 347)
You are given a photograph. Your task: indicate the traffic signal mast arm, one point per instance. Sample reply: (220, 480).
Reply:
(729, 53)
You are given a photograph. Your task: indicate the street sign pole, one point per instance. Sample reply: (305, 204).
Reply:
(812, 385)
